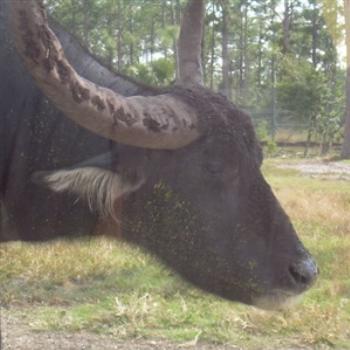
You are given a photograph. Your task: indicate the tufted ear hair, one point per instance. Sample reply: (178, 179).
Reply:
(93, 181)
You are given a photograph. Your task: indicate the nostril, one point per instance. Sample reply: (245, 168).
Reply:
(304, 272)
(297, 276)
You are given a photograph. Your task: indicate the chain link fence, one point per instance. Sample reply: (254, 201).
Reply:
(281, 129)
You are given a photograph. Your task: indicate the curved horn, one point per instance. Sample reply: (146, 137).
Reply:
(158, 122)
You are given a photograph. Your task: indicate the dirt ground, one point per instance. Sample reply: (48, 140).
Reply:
(323, 170)
(16, 335)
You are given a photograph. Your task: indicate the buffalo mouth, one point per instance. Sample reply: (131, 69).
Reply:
(277, 299)
(274, 290)
(301, 276)
(272, 300)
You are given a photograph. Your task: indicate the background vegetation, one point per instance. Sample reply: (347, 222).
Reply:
(282, 60)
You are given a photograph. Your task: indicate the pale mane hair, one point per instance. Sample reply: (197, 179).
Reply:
(100, 188)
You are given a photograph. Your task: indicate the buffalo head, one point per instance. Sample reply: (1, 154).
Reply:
(184, 180)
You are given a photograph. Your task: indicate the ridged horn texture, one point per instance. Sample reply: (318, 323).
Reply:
(157, 122)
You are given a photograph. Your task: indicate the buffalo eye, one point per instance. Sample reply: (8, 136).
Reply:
(214, 167)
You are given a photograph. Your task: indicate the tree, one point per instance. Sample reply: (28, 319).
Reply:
(190, 44)
(286, 26)
(225, 54)
(346, 145)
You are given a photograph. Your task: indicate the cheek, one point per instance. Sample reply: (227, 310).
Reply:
(212, 195)
(218, 207)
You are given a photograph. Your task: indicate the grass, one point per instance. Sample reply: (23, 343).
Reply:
(111, 288)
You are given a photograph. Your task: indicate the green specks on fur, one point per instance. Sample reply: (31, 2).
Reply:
(252, 264)
(165, 214)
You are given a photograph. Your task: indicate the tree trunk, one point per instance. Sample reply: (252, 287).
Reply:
(86, 23)
(73, 21)
(346, 145)
(310, 132)
(131, 30)
(203, 56)
(314, 45)
(119, 38)
(274, 102)
(314, 34)
(152, 39)
(260, 54)
(273, 79)
(241, 57)
(212, 51)
(246, 52)
(190, 43)
(163, 24)
(225, 56)
(111, 50)
(286, 27)
(175, 20)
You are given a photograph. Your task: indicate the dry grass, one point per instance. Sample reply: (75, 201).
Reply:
(318, 207)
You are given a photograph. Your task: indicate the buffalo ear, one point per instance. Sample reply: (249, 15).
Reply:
(99, 187)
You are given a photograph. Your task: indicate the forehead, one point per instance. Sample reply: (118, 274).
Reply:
(234, 137)
(225, 129)
(234, 131)
(219, 144)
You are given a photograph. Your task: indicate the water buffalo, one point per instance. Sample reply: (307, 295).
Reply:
(175, 171)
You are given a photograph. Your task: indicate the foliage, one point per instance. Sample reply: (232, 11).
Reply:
(305, 93)
(262, 131)
(329, 120)
(264, 136)
(301, 88)
(161, 72)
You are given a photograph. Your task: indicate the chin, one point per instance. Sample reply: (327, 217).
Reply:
(277, 300)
